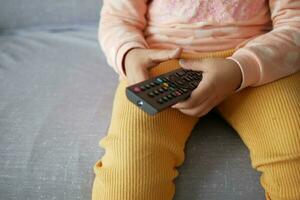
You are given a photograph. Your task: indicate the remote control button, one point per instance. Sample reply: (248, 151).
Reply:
(179, 82)
(151, 94)
(148, 86)
(164, 79)
(199, 78)
(165, 98)
(152, 84)
(185, 86)
(180, 90)
(137, 89)
(177, 93)
(190, 77)
(156, 92)
(156, 82)
(187, 79)
(143, 88)
(181, 73)
(197, 82)
(165, 84)
(174, 94)
(159, 80)
(193, 85)
(184, 90)
(172, 88)
(196, 77)
(172, 85)
(173, 78)
(165, 88)
(170, 96)
(160, 90)
(160, 101)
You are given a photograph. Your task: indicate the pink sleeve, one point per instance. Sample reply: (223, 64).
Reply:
(121, 29)
(275, 54)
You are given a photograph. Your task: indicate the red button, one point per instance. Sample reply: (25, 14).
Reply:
(137, 89)
(177, 93)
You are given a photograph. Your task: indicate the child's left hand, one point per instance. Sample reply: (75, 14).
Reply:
(221, 77)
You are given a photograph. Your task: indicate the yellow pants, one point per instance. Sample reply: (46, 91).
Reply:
(142, 151)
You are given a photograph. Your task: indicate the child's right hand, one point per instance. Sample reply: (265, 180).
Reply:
(138, 61)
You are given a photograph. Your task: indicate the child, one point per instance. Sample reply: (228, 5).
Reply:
(238, 45)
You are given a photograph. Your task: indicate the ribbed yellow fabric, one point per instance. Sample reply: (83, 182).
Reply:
(268, 120)
(142, 151)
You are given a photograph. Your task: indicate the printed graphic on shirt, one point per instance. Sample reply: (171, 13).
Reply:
(203, 10)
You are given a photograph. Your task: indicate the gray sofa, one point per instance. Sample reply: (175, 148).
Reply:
(56, 93)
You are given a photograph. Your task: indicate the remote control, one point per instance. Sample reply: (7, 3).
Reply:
(163, 91)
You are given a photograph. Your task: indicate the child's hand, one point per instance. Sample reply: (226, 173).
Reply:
(139, 61)
(221, 77)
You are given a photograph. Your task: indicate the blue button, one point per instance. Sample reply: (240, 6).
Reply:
(159, 80)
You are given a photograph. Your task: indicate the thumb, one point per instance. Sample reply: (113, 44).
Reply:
(195, 65)
(164, 55)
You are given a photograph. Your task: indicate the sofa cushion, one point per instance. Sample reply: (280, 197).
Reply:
(56, 94)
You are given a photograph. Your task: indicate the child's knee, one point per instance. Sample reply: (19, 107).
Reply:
(279, 161)
(142, 151)
(281, 179)
(135, 170)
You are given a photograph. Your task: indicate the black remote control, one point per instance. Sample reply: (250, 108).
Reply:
(163, 91)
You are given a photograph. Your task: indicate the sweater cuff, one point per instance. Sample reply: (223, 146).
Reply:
(121, 53)
(249, 66)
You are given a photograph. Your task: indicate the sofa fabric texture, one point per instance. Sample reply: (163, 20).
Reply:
(29, 13)
(56, 93)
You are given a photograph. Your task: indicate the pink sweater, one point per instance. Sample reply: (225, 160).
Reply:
(265, 33)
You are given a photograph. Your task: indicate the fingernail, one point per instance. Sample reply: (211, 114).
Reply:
(182, 62)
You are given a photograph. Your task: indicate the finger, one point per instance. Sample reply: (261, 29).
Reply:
(141, 75)
(164, 55)
(198, 96)
(194, 113)
(205, 111)
(190, 103)
(201, 110)
(207, 108)
(197, 109)
(191, 64)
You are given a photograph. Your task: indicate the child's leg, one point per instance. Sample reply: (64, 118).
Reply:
(141, 151)
(268, 121)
